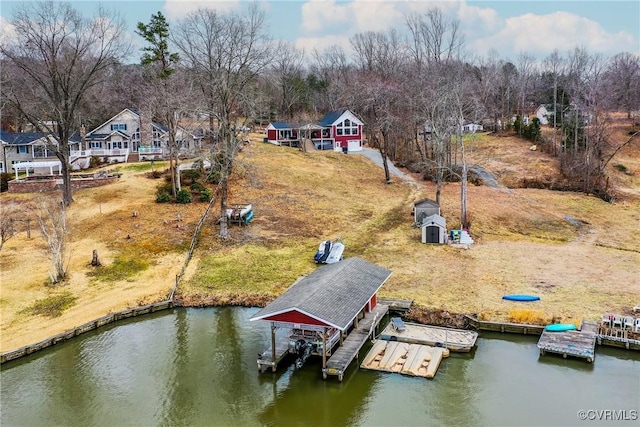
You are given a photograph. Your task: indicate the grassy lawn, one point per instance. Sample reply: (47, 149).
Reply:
(573, 250)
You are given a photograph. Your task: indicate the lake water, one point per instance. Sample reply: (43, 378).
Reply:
(193, 367)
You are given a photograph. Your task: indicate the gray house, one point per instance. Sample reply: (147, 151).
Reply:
(434, 229)
(424, 208)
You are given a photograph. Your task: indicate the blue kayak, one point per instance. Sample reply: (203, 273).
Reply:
(560, 327)
(521, 297)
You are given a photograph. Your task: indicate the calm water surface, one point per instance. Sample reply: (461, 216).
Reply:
(193, 367)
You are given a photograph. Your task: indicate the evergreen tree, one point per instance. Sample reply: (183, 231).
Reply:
(156, 33)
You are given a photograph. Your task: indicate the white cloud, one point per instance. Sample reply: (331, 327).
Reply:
(322, 43)
(541, 34)
(376, 15)
(176, 9)
(7, 31)
(318, 14)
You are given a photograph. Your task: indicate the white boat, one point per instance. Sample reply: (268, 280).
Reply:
(336, 253)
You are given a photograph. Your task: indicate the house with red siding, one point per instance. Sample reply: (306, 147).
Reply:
(318, 310)
(339, 130)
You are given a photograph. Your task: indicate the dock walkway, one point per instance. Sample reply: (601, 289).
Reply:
(580, 343)
(265, 359)
(344, 355)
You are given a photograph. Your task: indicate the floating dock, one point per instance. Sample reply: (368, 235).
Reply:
(400, 357)
(458, 340)
(580, 343)
(351, 346)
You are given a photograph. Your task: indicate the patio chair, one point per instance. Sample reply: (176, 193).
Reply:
(617, 321)
(627, 323)
(606, 320)
(636, 325)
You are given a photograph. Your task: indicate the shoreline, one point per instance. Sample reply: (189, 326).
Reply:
(421, 315)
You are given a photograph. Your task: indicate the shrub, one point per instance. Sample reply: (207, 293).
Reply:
(183, 196)
(191, 175)
(4, 181)
(621, 168)
(164, 188)
(205, 195)
(52, 306)
(94, 162)
(213, 177)
(163, 198)
(198, 187)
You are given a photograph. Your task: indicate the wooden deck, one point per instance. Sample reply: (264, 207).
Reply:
(350, 348)
(409, 359)
(580, 343)
(458, 340)
(400, 305)
(265, 359)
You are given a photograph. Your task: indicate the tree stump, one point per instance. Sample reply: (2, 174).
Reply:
(95, 262)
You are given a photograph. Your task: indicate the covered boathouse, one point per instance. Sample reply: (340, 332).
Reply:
(334, 305)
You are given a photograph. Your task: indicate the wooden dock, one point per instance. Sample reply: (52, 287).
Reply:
(458, 340)
(580, 343)
(409, 359)
(399, 305)
(265, 359)
(351, 346)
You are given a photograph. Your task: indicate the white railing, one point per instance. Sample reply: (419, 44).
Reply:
(101, 152)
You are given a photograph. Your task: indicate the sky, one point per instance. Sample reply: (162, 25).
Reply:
(510, 27)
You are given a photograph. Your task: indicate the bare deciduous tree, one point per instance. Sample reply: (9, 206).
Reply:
(55, 57)
(226, 53)
(52, 217)
(7, 230)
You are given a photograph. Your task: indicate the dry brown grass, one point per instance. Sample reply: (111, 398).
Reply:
(525, 243)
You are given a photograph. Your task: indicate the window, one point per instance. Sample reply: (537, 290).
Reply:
(40, 151)
(1, 167)
(347, 127)
(95, 144)
(119, 126)
(23, 149)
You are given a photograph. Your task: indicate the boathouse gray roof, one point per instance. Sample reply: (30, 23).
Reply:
(334, 293)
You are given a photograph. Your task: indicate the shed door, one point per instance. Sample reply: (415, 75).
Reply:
(433, 234)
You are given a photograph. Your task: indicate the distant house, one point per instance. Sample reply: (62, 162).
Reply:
(423, 209)
(338, 130)
(31, 150)
(282, 133)
(129, 133)
(472, 128)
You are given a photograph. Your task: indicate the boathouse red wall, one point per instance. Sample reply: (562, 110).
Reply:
(373, 301)
(294, 316)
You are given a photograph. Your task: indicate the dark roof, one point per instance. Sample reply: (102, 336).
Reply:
(92, 136)
(331, 117)
(334, 293)
(282, 125)
(25, 138)
(426, 202)
(20, 138)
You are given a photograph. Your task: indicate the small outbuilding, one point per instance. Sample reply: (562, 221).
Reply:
(434, 229)
(424, 208)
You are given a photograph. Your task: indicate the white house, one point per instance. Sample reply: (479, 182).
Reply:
(129, 133)
(30, 150)
(472, 128)
(544, 112)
